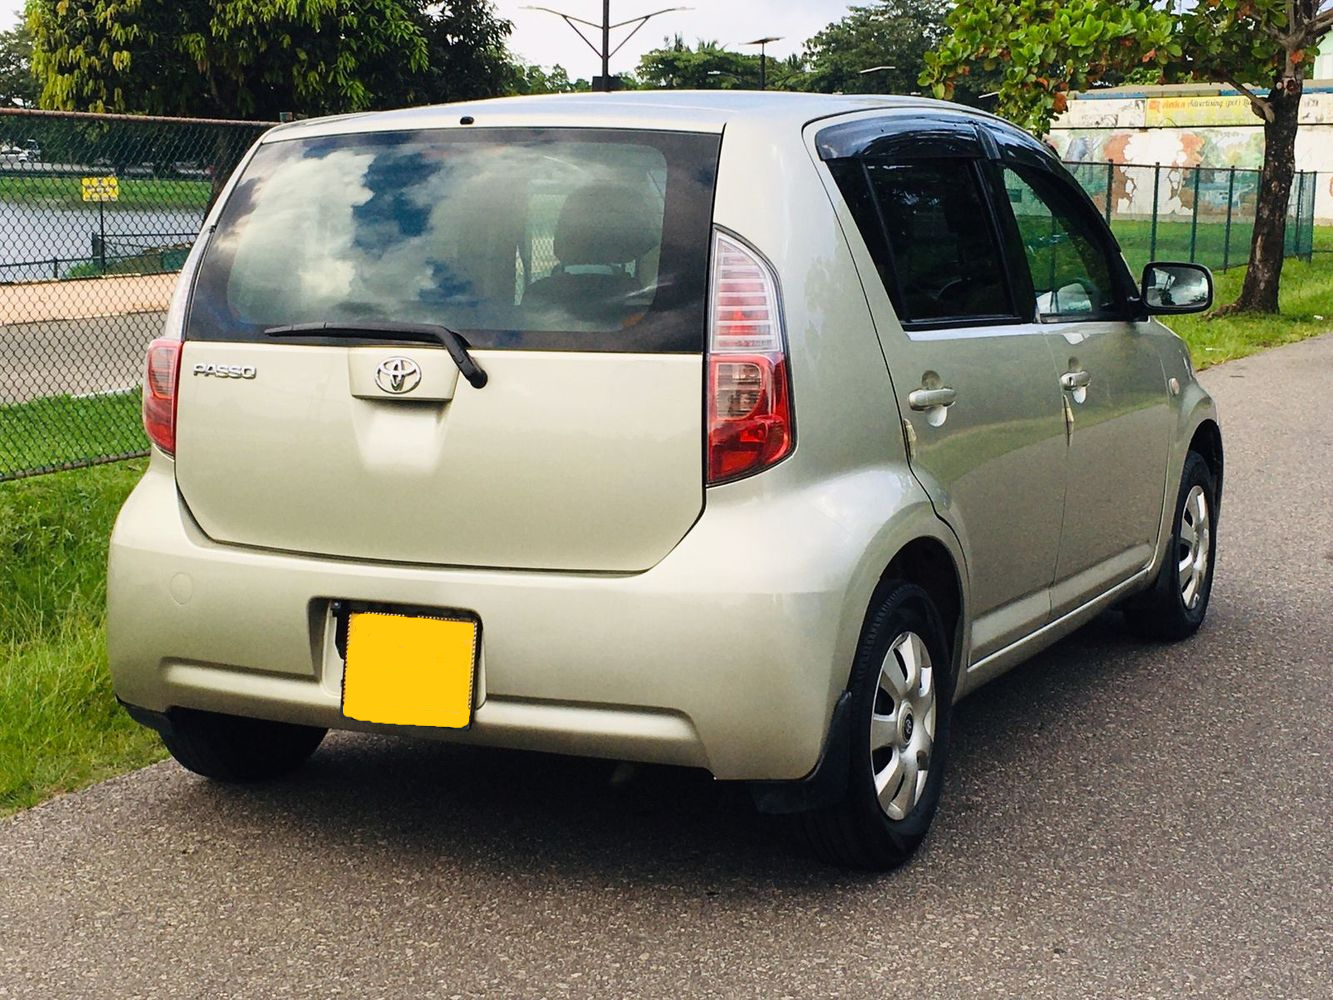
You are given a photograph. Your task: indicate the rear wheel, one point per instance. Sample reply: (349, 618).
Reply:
(1175, 606)
(902, 689)
(232, 748)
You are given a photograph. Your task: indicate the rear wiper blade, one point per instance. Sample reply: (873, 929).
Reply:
(413, 333)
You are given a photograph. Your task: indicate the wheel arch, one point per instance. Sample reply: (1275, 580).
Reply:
(1207, 441)
(930, 564)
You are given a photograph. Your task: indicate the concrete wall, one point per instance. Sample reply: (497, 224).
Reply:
(1188, 127)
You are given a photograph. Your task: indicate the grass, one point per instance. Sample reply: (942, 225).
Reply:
(53, 191)
(62, 728)
(157, 261)
(59, 431)
(1307, 311)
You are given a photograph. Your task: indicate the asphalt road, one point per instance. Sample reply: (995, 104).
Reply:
(1121, 820)
(74, 356)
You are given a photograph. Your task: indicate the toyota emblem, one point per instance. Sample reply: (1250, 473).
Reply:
(398, 375)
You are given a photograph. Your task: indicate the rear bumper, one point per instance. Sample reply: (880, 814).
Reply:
(729, 655)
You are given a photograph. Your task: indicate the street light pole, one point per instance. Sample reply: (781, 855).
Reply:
(606, 44)
(763, 57)
(604, 51)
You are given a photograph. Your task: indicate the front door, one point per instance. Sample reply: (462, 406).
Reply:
(1112, 383)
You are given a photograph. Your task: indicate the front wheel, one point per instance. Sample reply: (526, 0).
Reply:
(1175, 606)
(902, 690)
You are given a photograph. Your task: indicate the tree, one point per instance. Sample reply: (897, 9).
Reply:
(706, 66)
(889, 33)
(223, 58)
(18, 87)
(536, 80)
(466, 57)
(1046, 48)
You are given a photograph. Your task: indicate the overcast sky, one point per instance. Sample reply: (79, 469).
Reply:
(544, 39)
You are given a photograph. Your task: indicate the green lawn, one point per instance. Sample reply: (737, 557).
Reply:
(142, 192)
(61, 431)
(1307, 311)
(62, 728)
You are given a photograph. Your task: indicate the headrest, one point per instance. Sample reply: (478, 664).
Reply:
(606, 223)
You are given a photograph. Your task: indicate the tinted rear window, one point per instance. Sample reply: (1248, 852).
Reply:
(552, 239)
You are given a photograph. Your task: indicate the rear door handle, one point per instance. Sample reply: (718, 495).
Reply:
(928, 399)
(1075, 380)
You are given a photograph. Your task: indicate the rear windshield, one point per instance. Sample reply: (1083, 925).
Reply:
(550, 239)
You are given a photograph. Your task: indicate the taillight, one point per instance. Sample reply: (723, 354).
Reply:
(161, 375)
(750, 421)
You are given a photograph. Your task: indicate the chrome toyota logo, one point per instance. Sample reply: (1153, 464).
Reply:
(398, 375)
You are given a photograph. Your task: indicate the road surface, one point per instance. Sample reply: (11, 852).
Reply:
(1121, 820)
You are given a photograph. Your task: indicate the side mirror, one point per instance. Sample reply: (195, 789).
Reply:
(1176, 288)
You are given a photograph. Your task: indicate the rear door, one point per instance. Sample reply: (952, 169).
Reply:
(976, 382)
(572, 263)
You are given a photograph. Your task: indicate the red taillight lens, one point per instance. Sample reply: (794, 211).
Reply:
(750, 423)
(161, 374)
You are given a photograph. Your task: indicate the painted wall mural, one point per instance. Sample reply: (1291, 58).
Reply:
(1215, 132)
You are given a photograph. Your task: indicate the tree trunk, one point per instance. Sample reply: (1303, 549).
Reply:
(1268, 245)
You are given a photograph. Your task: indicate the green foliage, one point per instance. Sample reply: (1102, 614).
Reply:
(256, 58)
(895, 33)
(1045, 48)
(62, 727)
(466, 57)
(528, 79)
(1042, 49)
(706, 66)
(18, 87)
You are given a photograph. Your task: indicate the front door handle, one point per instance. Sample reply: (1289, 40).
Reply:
(1075, 380)
(928, 399)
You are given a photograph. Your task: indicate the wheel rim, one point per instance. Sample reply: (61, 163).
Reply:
(902, 725)
(1193, 547)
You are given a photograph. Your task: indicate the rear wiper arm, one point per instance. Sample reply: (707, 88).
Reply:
(413, 333)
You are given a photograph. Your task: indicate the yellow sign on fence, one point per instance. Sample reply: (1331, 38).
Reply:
(101, 188)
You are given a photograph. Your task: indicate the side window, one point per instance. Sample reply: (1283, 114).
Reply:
(1072, 273)
(941, 241)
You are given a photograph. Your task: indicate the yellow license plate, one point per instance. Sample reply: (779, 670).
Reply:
(410, 671)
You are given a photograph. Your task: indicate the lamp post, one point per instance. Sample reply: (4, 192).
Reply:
(604, 51)
(763, 57)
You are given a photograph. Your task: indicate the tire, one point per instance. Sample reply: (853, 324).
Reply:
(858, 831)
(1175, 606)
(232, 748)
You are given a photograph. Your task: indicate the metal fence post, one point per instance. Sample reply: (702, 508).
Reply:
(1156, 187)
(1226, 241)
(1314, 196)
(1194, 222)
(1110, 186)
(1300, 210)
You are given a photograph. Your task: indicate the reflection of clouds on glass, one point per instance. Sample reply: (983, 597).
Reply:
(297, 244)
(411, 230)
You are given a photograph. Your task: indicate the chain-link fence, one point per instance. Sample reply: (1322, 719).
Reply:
(1201, 214)
(97, 213)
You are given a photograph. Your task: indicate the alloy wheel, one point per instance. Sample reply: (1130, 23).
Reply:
(902, 725)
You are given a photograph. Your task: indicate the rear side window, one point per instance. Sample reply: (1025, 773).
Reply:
(930, 228)
(552, 239)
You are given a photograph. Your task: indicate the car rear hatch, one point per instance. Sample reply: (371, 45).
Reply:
(320, 406)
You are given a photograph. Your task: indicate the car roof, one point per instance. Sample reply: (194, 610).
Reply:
(675, 110)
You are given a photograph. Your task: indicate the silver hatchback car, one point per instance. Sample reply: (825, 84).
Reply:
(746, 432)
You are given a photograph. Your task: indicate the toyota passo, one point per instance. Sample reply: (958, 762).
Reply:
(745, 432)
